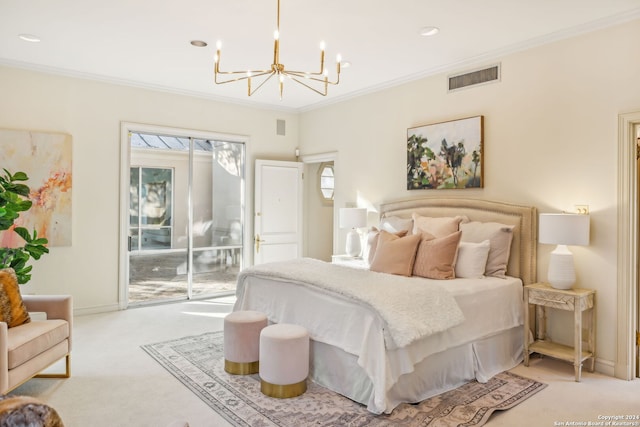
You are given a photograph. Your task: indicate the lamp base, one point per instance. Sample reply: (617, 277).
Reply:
(562, 273)
(354, 247)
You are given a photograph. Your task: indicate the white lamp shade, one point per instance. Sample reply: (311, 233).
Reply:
(353, 217)
(564, 229)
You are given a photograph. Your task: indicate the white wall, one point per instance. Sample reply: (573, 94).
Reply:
(92, 112)
(550, 140)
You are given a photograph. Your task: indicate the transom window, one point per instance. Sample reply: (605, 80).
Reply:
(327, 182)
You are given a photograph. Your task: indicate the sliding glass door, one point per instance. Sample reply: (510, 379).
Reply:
(185, 237)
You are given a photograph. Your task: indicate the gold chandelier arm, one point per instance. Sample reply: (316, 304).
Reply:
(307, 76)
(244, 75)
(310, 73)
(319, 92)
(251, 92)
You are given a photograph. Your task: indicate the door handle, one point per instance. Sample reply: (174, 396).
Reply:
(258, 240)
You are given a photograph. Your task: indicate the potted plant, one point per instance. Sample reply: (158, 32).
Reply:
(14, 200)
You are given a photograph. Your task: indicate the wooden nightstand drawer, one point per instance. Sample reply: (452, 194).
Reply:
(563, 300)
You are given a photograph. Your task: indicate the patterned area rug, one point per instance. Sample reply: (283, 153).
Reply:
(198, 362)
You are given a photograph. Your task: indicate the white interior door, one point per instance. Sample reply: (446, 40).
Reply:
(278, 211)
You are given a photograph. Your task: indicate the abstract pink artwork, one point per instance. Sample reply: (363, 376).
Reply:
(46, 159)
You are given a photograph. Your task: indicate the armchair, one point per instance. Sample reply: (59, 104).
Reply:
(28, 349)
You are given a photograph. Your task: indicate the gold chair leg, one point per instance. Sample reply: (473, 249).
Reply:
(66, 374)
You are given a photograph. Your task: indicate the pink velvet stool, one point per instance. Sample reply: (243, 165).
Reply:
(242, 341)
(284, 360)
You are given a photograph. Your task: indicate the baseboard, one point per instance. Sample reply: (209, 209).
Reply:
(605, 367)
(96, 309)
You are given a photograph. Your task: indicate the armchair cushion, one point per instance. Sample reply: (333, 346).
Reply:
(30, 340)
(12, 309)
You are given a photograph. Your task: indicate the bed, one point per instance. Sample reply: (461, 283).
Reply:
(383, 339)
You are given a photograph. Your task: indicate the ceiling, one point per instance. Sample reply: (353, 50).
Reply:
(147, 43)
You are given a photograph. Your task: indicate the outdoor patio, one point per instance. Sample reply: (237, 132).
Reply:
(162, 277)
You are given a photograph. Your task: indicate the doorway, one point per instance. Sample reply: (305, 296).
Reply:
(320, 184)
(628, 239)
(183, 200)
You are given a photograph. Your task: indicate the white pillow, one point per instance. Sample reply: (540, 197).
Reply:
(472, 259)
(500, 237)
(394, 224)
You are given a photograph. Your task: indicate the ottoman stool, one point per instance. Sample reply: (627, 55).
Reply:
(242, 341)
(284, 360)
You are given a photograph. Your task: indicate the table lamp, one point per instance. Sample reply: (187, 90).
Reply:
(353, 218)
(563, 229)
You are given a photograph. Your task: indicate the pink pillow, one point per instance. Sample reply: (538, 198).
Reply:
(372, 242)
(394, 254)
(436, 257)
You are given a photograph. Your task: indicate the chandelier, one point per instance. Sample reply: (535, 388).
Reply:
(316, 81)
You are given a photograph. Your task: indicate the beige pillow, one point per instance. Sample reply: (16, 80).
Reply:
(12, 309)
(394, 254)
(372, 242)
(436, 257)
(436, 226)
(499, 236)
(471, 261)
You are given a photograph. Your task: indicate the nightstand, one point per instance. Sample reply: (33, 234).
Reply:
(349, 261)
(543, 296)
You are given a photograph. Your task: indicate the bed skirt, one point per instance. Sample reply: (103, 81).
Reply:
(339, 371)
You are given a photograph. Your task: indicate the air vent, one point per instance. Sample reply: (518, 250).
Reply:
(474, 78)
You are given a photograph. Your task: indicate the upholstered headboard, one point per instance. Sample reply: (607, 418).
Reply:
(522, 260)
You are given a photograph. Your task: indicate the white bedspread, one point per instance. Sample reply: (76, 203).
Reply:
(410, 309)
(490, 306)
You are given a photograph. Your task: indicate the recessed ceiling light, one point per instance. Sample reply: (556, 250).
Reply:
(29, 38)
(429, 31)
(345, 64)
(198, 43)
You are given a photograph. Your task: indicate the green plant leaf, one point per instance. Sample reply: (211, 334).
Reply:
(24, 233)
(14, 200)
(20, 176)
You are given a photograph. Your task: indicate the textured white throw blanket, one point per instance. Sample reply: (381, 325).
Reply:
(411, 308)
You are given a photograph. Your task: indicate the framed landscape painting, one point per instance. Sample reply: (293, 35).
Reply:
(446, 155)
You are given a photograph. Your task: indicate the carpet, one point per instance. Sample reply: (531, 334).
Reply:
(198, 363)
